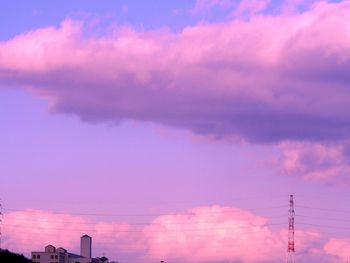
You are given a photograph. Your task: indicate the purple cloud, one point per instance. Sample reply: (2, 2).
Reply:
(269, 79)
(315, 161)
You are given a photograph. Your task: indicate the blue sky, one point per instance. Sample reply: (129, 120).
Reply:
(34, 14)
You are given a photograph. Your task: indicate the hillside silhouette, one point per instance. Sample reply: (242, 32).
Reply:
(9, 257)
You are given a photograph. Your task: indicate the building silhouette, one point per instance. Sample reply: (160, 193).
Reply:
(61, 255)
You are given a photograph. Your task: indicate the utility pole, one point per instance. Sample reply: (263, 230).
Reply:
(291, 244)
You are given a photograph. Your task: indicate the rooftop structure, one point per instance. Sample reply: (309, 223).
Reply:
(61, 255)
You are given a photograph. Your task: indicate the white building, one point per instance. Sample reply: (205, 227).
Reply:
(61, 255)
(85, 246)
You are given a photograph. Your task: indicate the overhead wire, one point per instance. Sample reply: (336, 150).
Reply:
(323, 209)
(134, 215)
(194, 222)
(234, 226)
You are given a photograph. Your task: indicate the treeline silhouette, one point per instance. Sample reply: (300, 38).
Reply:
(9, 257)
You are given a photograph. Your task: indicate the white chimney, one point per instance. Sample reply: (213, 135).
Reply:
(85, 246)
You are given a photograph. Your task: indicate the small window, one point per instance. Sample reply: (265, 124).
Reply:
(56, 257)
(34, 256)
(38, 256)
(51, 257)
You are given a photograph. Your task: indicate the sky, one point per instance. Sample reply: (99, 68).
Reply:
(176, 130)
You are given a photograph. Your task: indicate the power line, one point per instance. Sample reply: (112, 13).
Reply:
(165, 202)
(324, 218)
(135, 215)
(324, 209)
(325, 226)
(167, 222)
(234, 226)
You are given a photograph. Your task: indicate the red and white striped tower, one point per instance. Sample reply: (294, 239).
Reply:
(291, 246)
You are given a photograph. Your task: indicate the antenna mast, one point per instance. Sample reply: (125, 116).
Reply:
(291, 245)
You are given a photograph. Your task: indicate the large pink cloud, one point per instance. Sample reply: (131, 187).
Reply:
(265, 79)
(224, 234)
(214, 234)
(202, 234)
(31, 230)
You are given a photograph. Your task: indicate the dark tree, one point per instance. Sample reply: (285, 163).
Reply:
(9, 257)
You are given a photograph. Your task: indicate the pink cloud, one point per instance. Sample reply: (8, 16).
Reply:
(222, 234)
(29, 52)
(203, 6)
(125, 8)
(269, 79)
(339, 248)
(31, 230)
(292, 6)
(214, 234)
(248, 8)
(201, 234)
(315, 161)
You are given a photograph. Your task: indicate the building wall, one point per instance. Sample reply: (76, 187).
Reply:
(50, 248)
(79, 260)
(48, 257)
(60, 255)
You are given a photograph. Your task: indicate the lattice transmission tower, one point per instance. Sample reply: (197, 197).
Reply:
(291, 244)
